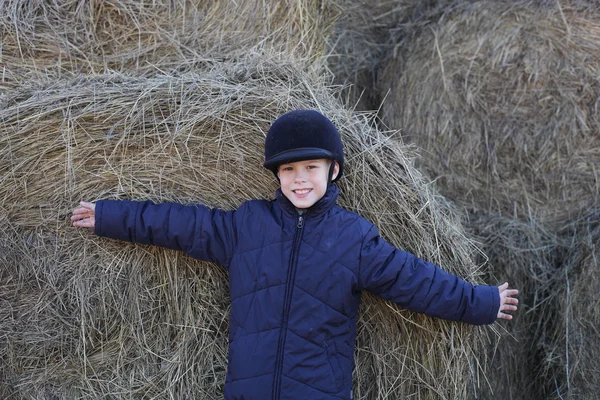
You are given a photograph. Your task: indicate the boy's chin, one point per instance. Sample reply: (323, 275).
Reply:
(301, 204)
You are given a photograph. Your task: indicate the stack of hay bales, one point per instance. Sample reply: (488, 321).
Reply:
(502, 98)
(90, 317)
(179, 113)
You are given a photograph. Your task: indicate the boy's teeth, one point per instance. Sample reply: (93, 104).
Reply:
(304, 191)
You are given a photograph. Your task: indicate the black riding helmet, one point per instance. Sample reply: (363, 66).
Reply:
(303, 135)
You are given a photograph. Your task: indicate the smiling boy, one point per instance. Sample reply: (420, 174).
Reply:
(297, 266)
(305, 182)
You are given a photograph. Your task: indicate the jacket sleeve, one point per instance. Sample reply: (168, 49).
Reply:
(421, 286)
(203, 233)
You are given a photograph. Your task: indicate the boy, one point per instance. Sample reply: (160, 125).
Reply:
(296, 268)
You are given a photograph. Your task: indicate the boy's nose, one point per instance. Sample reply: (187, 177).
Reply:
(300, 177)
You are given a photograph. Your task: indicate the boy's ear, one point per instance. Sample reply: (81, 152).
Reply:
(336, 170)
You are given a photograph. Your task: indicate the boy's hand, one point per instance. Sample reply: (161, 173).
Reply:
(507, 302)
(84, 216)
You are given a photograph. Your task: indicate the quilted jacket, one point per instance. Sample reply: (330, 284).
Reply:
(295, 282)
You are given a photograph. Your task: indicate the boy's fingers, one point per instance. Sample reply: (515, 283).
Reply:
(80, 211)
(79, 216)
(83, 224)
(508, 303)
(504, 316)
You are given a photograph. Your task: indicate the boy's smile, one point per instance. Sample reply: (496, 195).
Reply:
(305, 182)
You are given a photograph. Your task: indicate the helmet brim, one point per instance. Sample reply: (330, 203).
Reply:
(300, 154)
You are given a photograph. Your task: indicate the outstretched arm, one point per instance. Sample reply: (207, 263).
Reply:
(203, 233)
(424, 287)
(507, 301)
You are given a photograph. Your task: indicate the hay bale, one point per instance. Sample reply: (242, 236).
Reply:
(526, 255)
(502, 97)
(365, 34)
(84, 316)
(150, 37)
(573, 351)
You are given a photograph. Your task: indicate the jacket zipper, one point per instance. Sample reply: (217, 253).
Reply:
(286, 308)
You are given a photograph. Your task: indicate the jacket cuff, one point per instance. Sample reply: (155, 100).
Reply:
(98, 218)
(495, 293)
(484, 306)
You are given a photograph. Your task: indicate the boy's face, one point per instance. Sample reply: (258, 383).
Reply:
(305, 182)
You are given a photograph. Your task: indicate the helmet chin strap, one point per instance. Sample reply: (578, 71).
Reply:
(330, 175)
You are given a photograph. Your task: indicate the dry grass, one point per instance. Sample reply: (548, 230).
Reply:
(502, 97)
(526, 255)
(88, 317)
(365, 34)
(572, 352)
(49, 38)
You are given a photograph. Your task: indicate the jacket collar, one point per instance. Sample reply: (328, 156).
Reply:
(320, 207)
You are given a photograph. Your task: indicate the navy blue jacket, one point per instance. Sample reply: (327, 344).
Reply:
(295, 284)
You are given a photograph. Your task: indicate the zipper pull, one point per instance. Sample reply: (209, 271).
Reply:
(300, 222)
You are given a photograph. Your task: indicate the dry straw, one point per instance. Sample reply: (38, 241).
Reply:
(573, 351)
(526, 255)
(502, 97)
(83, 316)
(53, 38)
(365, 34)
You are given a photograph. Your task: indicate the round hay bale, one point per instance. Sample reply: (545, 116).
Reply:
(364, 35)
(84, 316)
(524, 254)
(573, 350)
(502, 97)
(150, 37)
